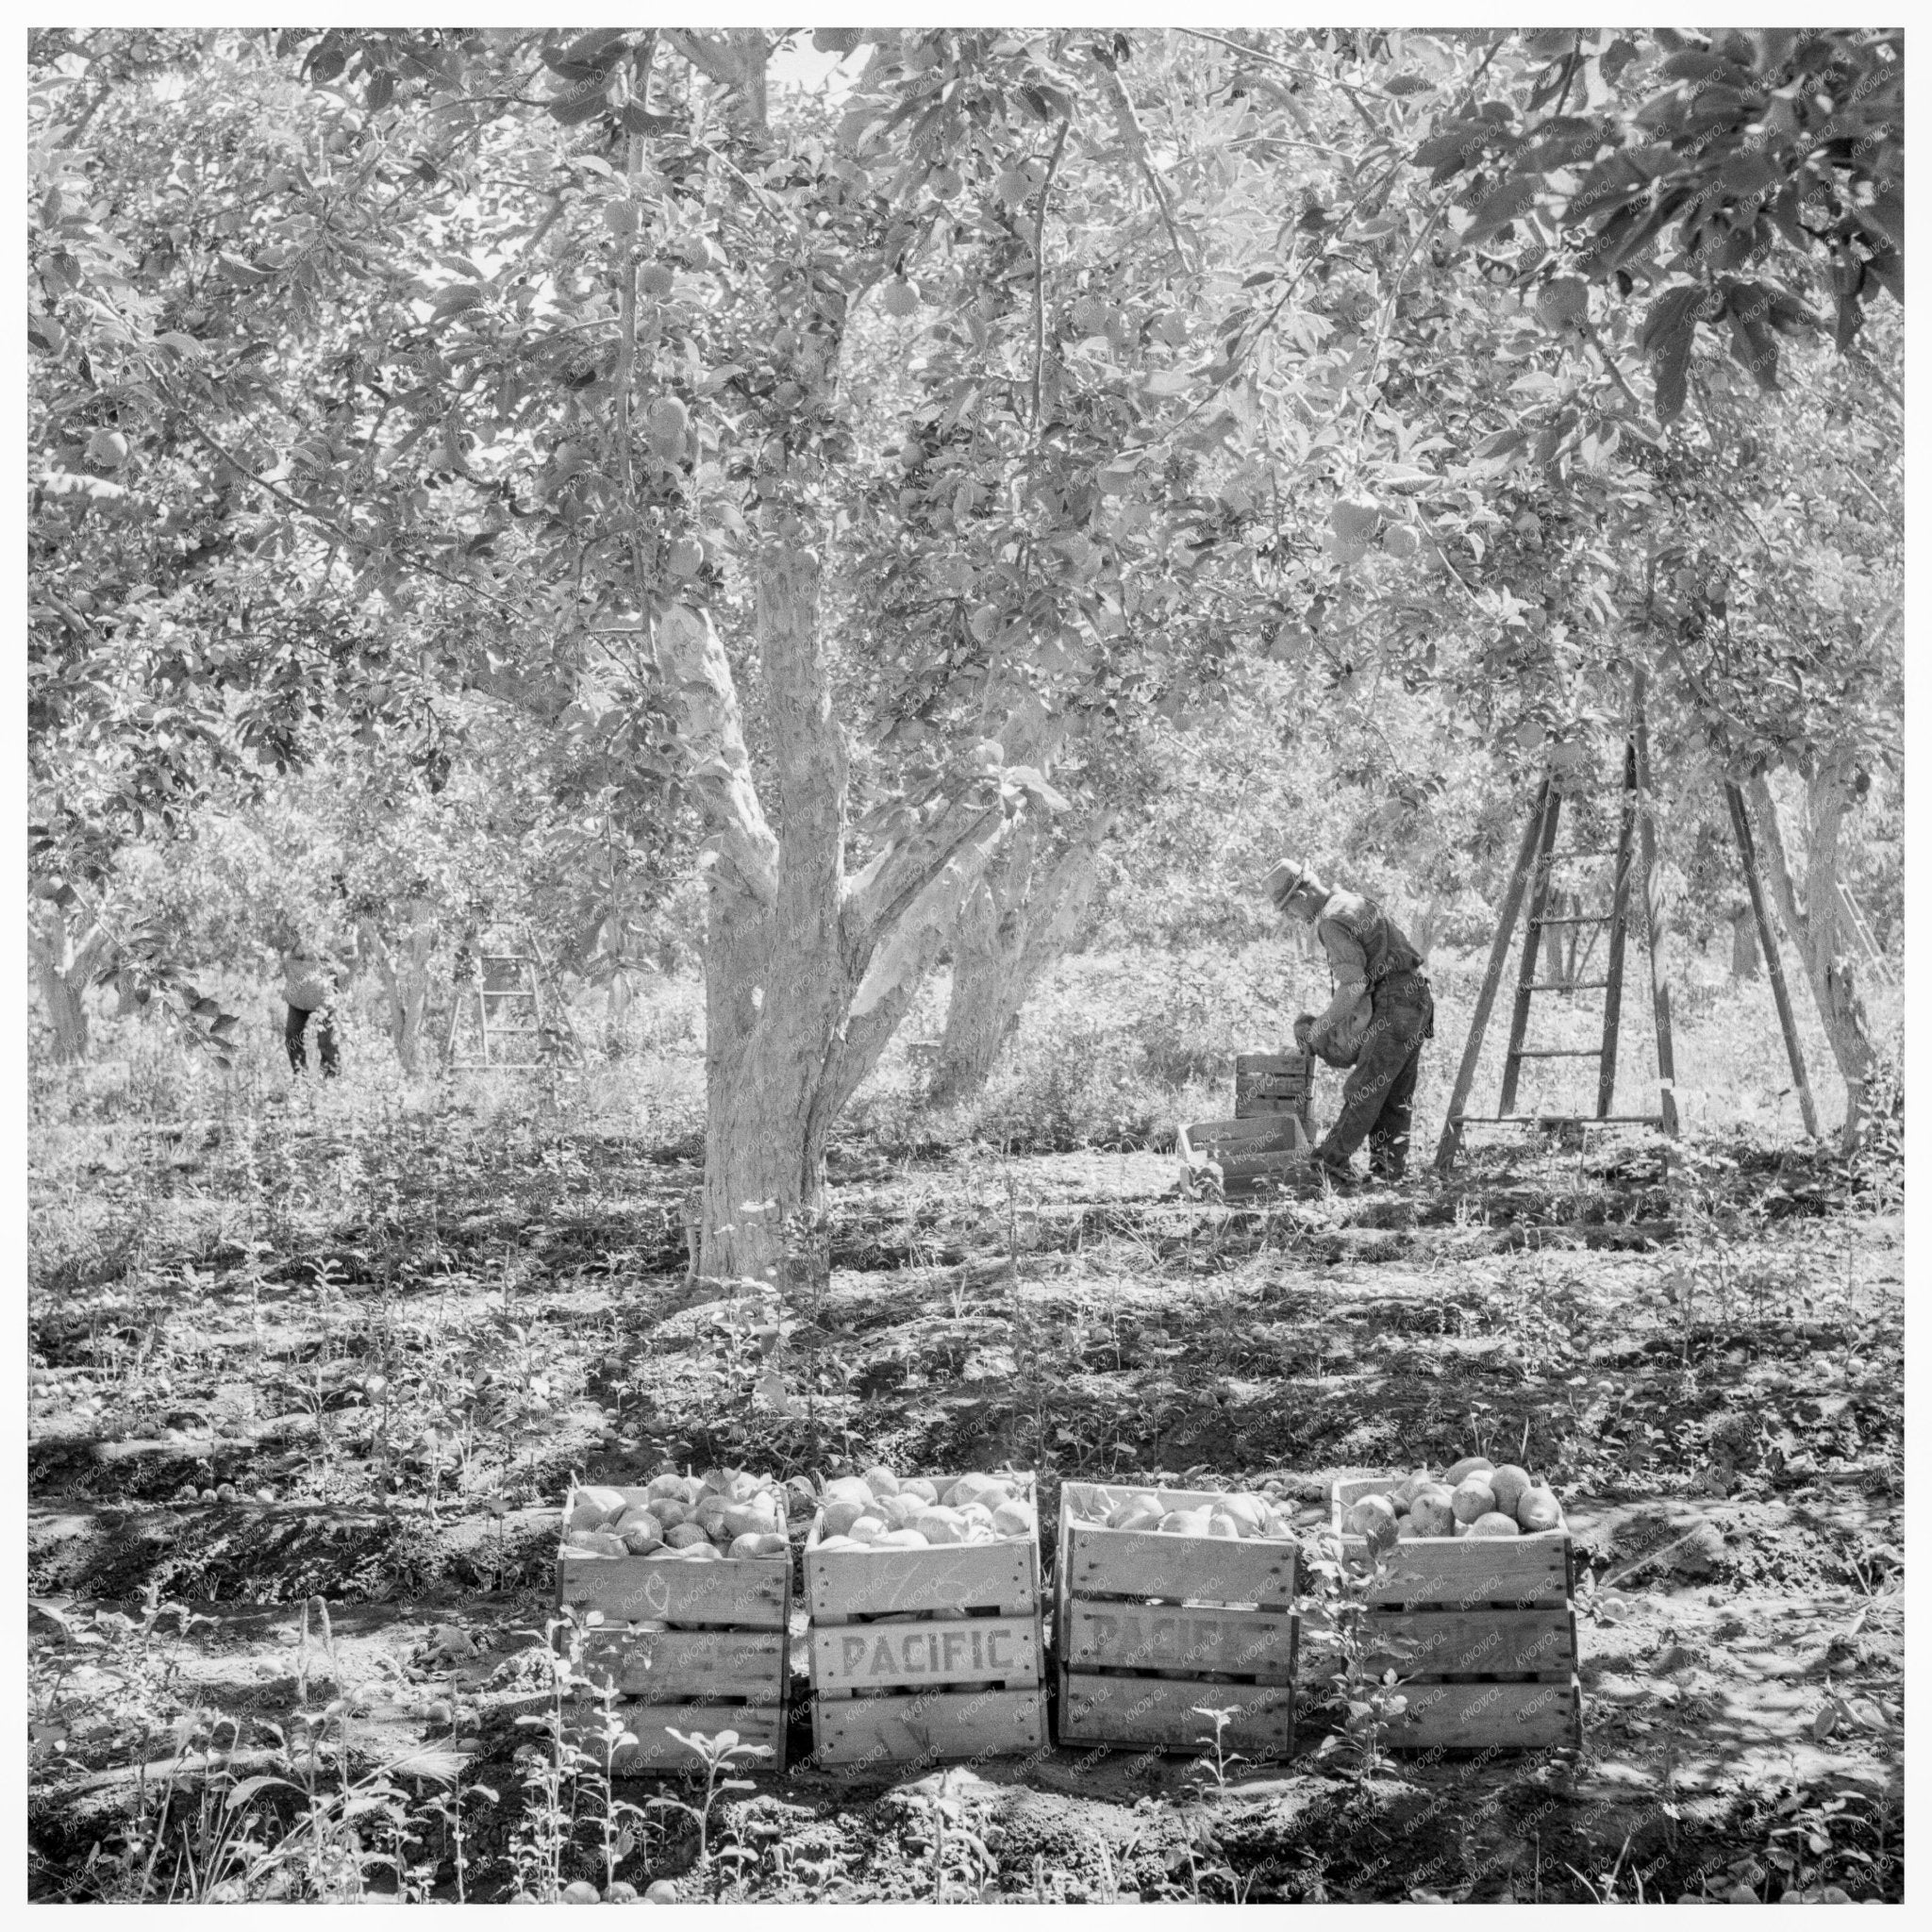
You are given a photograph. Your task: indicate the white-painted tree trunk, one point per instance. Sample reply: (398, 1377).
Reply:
(402, 969)
(1816, 923)
(806, 972)
(1012, 927)
(64, 968)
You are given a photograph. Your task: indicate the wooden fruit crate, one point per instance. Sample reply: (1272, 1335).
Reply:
(1482, 1630)
(1263, 1147)
(1150, 1629)
(925, 1654)
(1269, 1083)
(691, 1646)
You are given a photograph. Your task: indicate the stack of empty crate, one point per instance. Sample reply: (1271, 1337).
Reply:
(1270, 1131)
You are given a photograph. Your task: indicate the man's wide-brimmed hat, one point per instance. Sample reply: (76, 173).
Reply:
(1286, 878)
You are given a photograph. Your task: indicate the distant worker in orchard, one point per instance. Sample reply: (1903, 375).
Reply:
(1374, 1026)
(310, 980)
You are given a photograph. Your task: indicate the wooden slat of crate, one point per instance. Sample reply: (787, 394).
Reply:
(668, 1665)
(1224, 1612)
(1455, 1571)
(1161, 1713)
(1258, 1644)
(861, 1731)
(1098, 1561)
(1506, 1716)
(1450, 1643)
(1270, 1083)
(1273, 1066)
(655, 1749)
(1001, 1576)
(1143, 1563)
(749, 1592)
(1263, 1146)
(1259, 1134)
(849, 1657)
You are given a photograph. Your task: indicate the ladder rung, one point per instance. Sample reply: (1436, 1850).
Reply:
(1568, 985)
(1586, 852)
(1560, 1120)
(1576, 918)
(1557, 1053)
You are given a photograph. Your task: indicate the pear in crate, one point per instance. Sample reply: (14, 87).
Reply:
(597, 1542)
(1473, 1497)
(881, 1481)
(1014, 1518)
(1539, 1510)
(975, 1487)
(939, 1525)
(843, 1513)
(1469, 1465)
(918, 1486)
(1246, 1512)
(594, 1505)
(1432, 1513)
(1494, 1523)
(1374, 1519)
(1507, 1485)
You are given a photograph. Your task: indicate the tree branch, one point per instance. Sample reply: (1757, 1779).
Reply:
(901, 964)
(807, 747)
(1039, 269)
(335, 529)
(1136, 138)
(703, 689)
(1772, 841)
(1348, 87)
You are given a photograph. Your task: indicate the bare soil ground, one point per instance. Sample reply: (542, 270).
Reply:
(320, 1354)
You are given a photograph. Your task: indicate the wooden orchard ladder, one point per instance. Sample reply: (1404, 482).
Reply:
(1535, 861)
(550, 1032)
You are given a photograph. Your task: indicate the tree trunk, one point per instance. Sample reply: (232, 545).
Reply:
(1008, 933)
(1555, 967)
(1817, 928)
(806, 972)
(1744, 945)
(403, 971)
(64, 971)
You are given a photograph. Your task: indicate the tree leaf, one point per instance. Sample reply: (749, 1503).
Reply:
(1668, 313)
(1500, 207)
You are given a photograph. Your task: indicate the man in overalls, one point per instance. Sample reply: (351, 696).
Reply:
(1374, 964)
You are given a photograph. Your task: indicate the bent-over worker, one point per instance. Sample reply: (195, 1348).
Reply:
(308, 985)
(1374, 1026)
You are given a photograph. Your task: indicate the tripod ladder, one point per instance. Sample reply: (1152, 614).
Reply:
(1535, 862)
(533, 1024)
